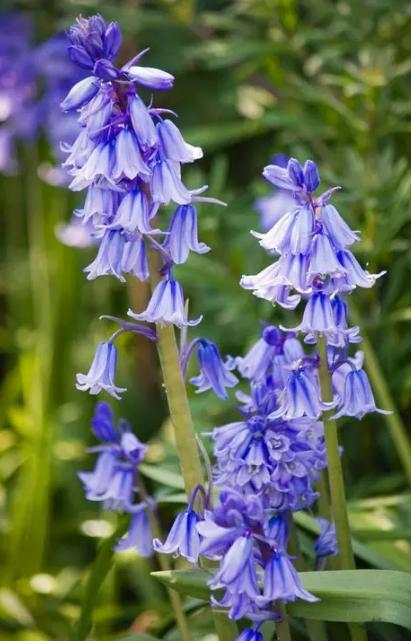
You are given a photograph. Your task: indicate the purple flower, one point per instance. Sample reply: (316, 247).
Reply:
(214, 373)
(166, 305)
(250, 634)
(101, 373)
(139, 535)
(281, 580)
(182, 235)
(357, 398)
(166, 184)
(80, 94)
(326, 543)
(183, 538)
(150, 78)
(173, 146)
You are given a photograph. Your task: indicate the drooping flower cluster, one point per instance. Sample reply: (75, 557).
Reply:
(272, 207)
(315, 263)
(129, 155)
(114, 480)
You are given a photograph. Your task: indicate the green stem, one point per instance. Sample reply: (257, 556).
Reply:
(336, 482)
(385, 400)
(282, 627)
(175, 599)
(180, 414)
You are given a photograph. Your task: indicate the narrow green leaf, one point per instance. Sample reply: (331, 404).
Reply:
(350, 596)
(98, 573)
(163, 476)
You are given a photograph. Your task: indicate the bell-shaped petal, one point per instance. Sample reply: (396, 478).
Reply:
(173, 145)
(166, 184)
(182, 235)
(142, 122)
(139, 535)
(129, 162)
(150, 78)
(183, 538)
(291, 234)
(101, 373)
(134, 258)
(324, 257)
(337, 229)
(81, 93)
(166, 306)
(103, 423)
(133, 214)
(358, 398)
(214, 373)
(109, 259)
(326, 543)
(96, 482)
(282, 582)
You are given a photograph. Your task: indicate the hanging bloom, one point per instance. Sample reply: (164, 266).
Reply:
(166, 305)
(357, 399)
(214, 373)
(182, 235)
(183, 538)
(281, 580)
(102, 372)
(139, 535)
(326, 543)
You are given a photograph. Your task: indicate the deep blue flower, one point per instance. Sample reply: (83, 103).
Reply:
(166, 305)
(250, 634)
(150, 78)
(214, 373)
(103, 423)
(102, 372)
(80, 94)
(166, 184)
(183, 538)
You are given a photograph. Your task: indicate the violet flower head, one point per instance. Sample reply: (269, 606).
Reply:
(214, 374)
(326, 543)
(102, 372)
(114, 479)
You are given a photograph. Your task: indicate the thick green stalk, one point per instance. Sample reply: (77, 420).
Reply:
(336, 482)
(283, 627)
(385, 400)
(182, 421)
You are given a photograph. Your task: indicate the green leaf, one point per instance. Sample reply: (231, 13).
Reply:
(163, 476)
(98, 573)
(351, 596)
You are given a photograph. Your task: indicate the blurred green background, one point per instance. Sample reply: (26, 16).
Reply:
(313, 79)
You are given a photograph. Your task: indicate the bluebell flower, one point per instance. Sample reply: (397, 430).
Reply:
(183, 538)
(326, 543)
(281, 580)
(103, 423)
(129, 162)
(214, 373)
(139, 535)
(150, 78)
(166, 305)
(166, 184)
(301, 397)
(142, 122)
(173, 145)
(357, 398)
(80, 94)
(101, 373)
(250, 634)
(133, 214)
(182, 235)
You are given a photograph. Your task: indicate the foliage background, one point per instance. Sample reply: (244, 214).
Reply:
(326, 80)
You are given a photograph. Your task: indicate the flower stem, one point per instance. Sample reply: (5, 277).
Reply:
(180, 414)
(336, 482)
(283, 627)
